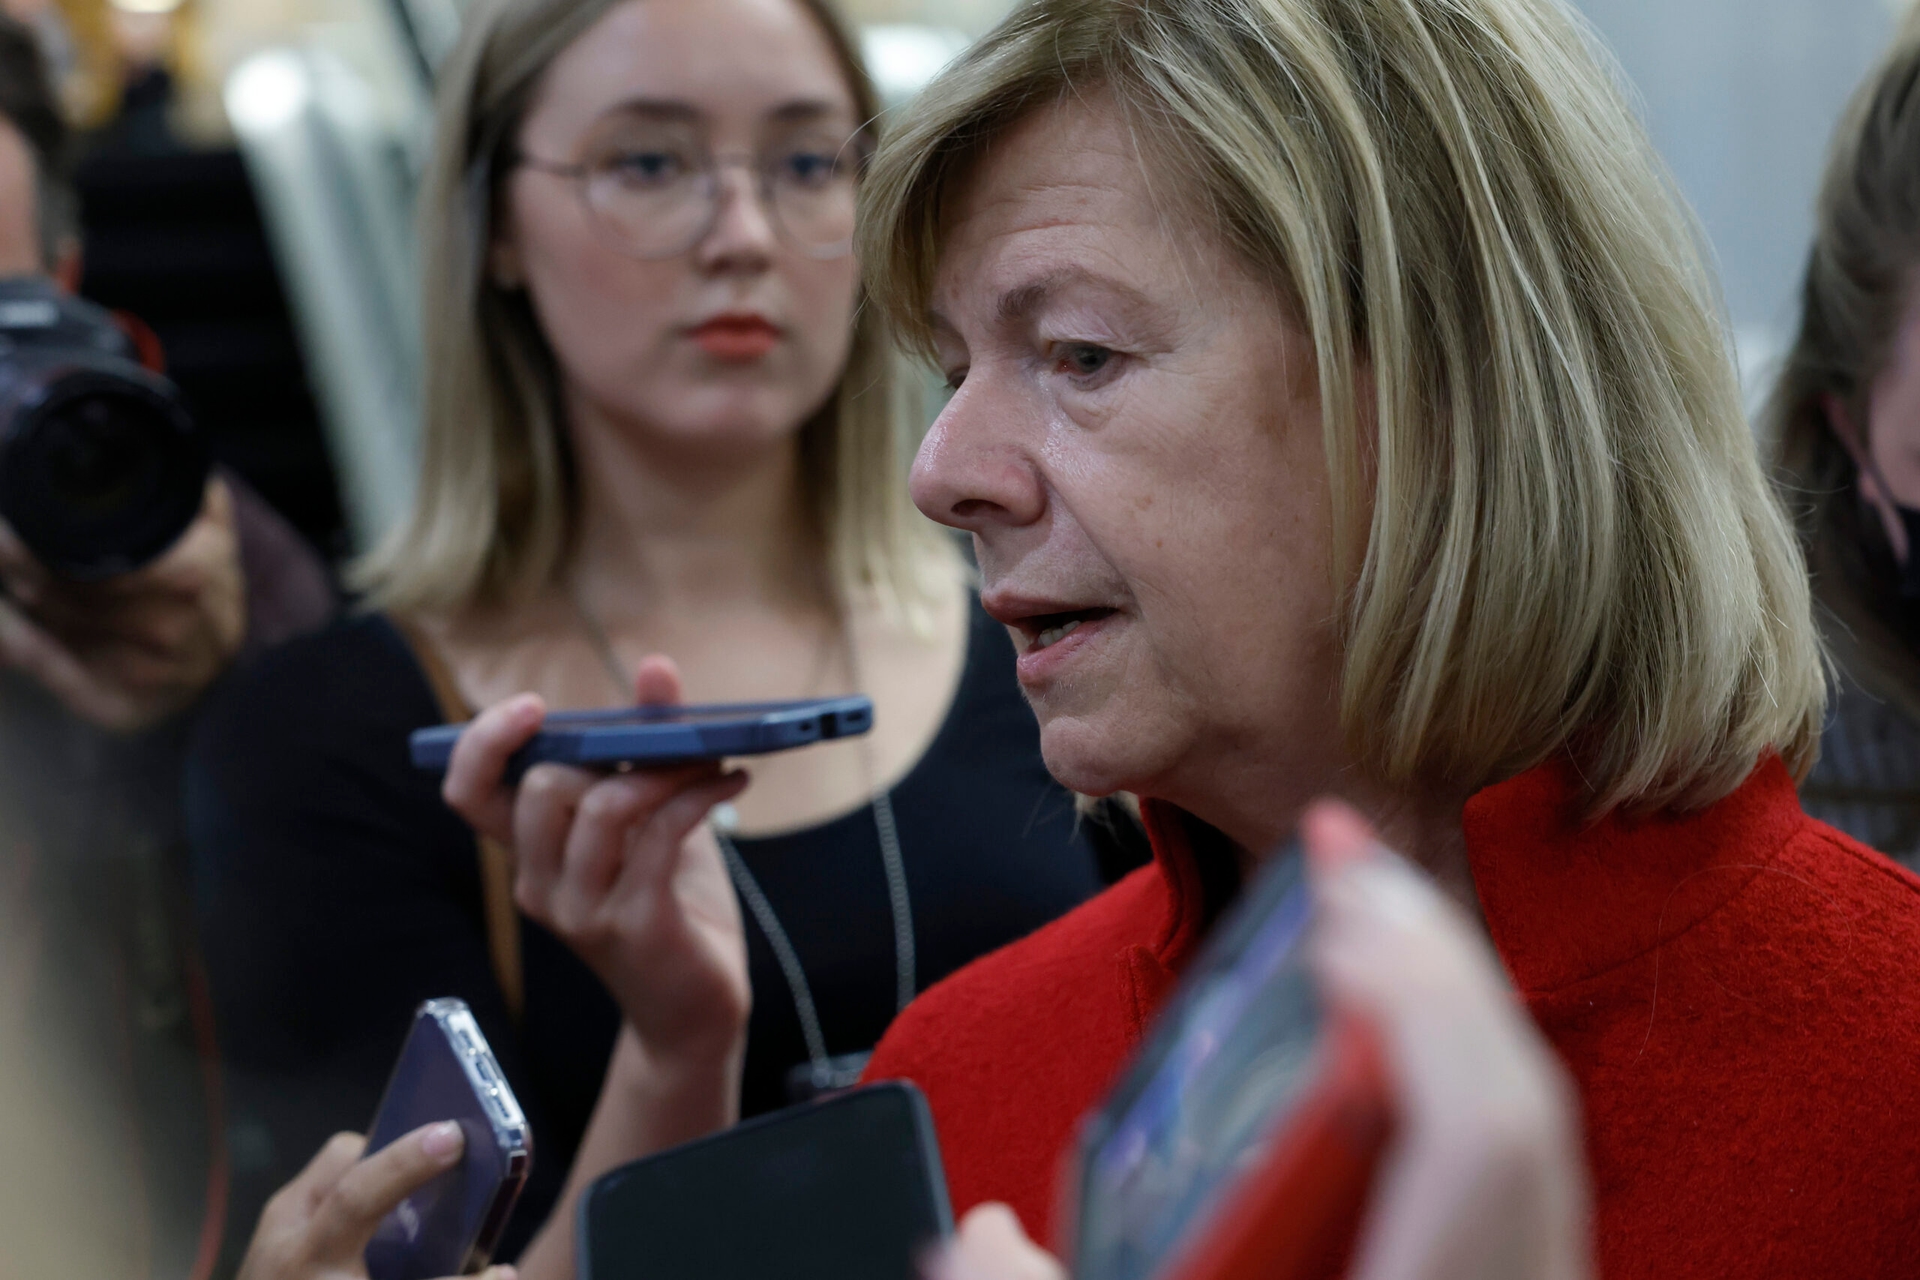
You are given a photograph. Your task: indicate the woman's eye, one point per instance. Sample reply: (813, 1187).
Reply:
(647, 166)
(954, 378)
(1083, 359)
(806, 168)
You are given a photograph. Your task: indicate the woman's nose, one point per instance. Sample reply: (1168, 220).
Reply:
(973, 471)
(742, 237)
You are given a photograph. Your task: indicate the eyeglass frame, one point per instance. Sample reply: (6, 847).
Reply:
(580, 174)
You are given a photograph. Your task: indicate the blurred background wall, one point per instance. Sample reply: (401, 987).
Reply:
(1742, 96)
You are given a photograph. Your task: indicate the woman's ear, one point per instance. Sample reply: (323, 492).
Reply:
(1841, 422)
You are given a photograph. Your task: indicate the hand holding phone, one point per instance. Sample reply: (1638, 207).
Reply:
(317, 1227)
(447, 1074)
(1250, 1137)
(1242, 1142)
(623, 870)
(1486, 1179)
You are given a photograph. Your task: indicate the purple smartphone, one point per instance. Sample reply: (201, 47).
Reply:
(446, 1072)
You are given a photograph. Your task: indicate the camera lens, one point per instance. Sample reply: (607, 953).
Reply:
(102, 471)
(100, 458)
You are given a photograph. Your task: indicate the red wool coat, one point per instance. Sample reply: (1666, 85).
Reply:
(1736, 992)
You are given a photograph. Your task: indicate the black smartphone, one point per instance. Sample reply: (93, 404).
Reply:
(450, 1226)
(663, 735)
(848, 1188)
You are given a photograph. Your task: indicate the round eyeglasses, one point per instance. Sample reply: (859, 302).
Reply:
(653, 190)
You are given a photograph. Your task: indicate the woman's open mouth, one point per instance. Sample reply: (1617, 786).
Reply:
(1046, 630)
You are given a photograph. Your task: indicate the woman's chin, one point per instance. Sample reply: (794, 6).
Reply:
(1094, 759)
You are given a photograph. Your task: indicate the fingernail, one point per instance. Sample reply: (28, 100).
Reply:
(443, 1141)
(502, 1273)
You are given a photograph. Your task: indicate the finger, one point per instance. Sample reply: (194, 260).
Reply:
(217, 510)
(657, 682)
(333, 1159)
(1485, 1120)
(991, 1245)
(476, 786)
(162, 625)
(1335, 835)
(653, 858)
(616, 816)
(543, 819)
(137, 670)
(350, 1213)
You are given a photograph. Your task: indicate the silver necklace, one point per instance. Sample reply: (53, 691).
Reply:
(825, 1072)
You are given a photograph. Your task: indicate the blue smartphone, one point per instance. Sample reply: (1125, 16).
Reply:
(651, 737)
(846, 1188)
(446, 1072)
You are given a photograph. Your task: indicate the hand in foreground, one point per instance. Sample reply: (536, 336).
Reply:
(990, 1245)
(1485, 1179)
(625, 871)
(126, 653)
(317, 1226)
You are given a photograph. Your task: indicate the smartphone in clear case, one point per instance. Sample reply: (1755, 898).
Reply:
(450, 1226)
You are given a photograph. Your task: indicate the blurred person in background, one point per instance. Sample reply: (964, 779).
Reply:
(98, 685)
(1844, 421)
(1342, 406)
(132, 652)
(659, 420)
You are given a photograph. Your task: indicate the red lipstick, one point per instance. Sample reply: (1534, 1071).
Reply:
(736, 336)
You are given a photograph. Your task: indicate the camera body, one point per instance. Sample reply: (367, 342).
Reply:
(101, 469)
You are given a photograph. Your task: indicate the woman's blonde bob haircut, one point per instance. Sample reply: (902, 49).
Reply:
(1568, 546)
(493, 516)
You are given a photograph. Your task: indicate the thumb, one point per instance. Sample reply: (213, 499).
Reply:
(352, 1210)
(1336, 837)
(657, 683)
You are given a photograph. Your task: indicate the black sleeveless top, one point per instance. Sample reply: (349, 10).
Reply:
(335, 891)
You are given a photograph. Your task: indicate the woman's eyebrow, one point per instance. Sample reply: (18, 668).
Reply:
(1021, 302)
(658, 109)
(802, 110)
(794, 111)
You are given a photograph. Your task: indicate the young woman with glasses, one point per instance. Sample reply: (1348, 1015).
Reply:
(659, 420)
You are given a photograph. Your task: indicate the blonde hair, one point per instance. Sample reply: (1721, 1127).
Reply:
(1568, 546)
(1859, 282)
(493, 514)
